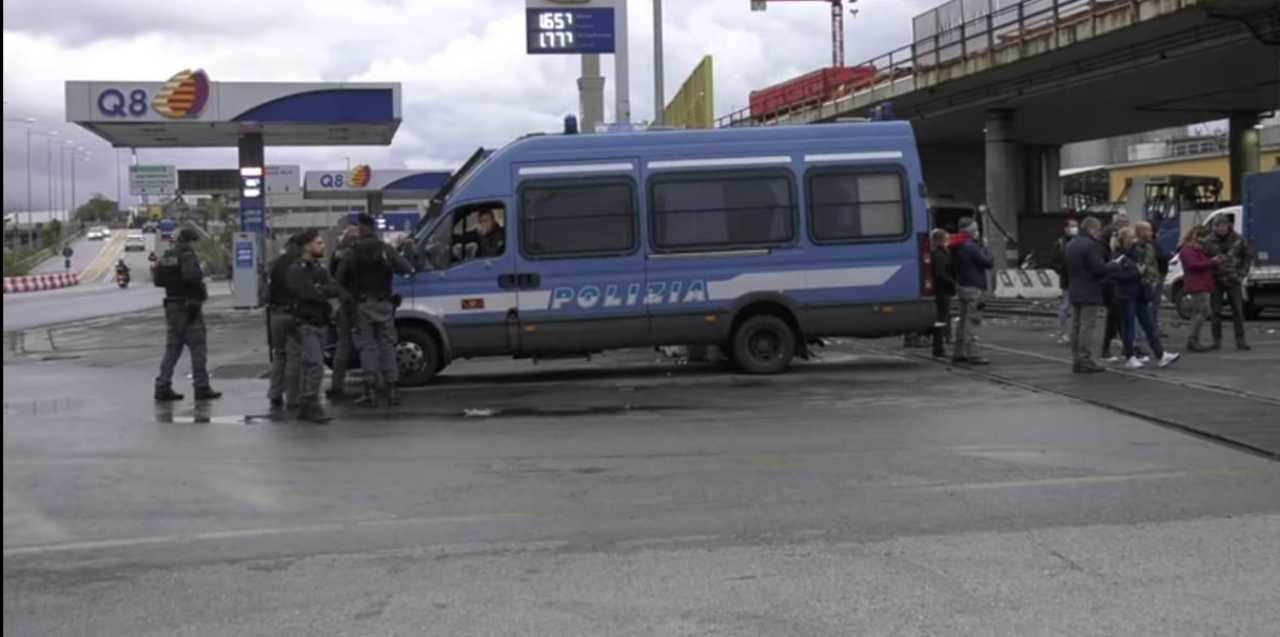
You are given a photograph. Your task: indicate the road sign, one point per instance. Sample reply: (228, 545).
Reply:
(569, 30)
(153, 180)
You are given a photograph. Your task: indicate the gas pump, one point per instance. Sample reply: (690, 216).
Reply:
(248, 245)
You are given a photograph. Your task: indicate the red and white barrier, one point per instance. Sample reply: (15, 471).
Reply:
(37, 282)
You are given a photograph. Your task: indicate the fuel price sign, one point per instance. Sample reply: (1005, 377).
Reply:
(556, 30)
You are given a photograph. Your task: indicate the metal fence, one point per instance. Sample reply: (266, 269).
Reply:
(953, 32)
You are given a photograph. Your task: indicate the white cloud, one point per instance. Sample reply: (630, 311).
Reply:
(467, 80)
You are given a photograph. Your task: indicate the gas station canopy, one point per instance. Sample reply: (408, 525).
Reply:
(362, 181)
(191, 111)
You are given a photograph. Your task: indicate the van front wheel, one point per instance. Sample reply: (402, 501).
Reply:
(763, 344)
(418, 355)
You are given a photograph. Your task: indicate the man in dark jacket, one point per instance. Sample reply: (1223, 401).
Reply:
(366, 272)
(1086, 265)
(970, 262)
(286, 350)
(179, 273)
(1231, 271)
(312, 287)
(488, 237)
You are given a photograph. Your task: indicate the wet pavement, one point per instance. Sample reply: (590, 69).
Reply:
(867, 492)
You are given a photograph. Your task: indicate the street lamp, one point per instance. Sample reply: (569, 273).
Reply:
(28, 121)
(49, 135)
(83, 155)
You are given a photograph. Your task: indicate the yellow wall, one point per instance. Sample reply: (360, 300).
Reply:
(694, 104)
(1214, 166)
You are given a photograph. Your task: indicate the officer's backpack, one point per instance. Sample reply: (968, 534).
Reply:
(168, 270)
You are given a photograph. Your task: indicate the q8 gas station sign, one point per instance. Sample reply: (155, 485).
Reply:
(569, 29)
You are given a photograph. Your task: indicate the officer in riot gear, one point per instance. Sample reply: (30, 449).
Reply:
(312, 288)
(344, 320)
(282, 329)
(179, 273)
(366, 273)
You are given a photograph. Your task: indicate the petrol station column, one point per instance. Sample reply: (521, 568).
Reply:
(248, 268)
(1005, 184)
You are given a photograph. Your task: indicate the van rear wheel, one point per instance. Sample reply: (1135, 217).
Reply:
(418, 355)
(763, 344)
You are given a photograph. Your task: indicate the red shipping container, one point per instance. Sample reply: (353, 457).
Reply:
(813, 87)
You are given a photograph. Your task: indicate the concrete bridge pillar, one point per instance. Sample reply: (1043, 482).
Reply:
(1006, 184)
(1244, 143)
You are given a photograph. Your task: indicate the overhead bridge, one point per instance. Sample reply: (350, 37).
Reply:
(1003, 85)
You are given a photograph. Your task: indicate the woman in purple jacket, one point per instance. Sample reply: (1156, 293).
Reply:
(1197, 281)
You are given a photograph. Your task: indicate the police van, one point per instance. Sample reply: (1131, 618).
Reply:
(759, 240)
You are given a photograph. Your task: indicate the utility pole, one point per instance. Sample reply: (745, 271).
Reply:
(659, 94)
(837, 23)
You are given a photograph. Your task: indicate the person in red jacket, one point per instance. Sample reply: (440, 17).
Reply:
(1197, 281)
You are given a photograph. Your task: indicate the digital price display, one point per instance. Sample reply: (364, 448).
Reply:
(569, 30)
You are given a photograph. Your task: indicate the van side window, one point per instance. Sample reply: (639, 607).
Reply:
(577, 219)
(857, 205)
(721, 211)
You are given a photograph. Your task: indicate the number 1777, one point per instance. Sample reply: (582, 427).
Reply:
(555, 39)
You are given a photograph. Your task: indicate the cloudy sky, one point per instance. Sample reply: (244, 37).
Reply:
(466, 78)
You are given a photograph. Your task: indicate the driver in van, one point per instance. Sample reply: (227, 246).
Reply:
(488, 235)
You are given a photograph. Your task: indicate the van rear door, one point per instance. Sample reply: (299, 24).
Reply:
(579, 269)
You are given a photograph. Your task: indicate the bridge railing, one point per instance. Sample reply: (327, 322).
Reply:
(950, 34)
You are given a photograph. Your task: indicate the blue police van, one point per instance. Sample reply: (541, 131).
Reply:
(759, 240)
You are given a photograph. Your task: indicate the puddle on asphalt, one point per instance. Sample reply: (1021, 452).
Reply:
(48, 406)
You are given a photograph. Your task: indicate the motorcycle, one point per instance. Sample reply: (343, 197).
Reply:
(122, 279)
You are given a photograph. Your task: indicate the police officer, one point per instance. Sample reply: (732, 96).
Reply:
(179, 273)
(344, 319)
(366, 272)
(285, 346)
(312, 287)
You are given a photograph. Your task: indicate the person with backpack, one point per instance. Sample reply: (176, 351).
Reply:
(179, 273)
(366, 272)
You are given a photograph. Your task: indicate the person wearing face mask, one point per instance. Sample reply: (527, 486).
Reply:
(1069, 232)
(1086, 266)
(970, 261)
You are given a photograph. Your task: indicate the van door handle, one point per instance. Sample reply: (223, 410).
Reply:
(508, 281)
(531, 280)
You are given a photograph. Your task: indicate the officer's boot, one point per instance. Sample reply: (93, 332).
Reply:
(166, 394)
(393, 394)
(310, 411)
(207, 393)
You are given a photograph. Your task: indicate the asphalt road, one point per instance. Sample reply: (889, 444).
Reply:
(96, 297)
(866, 493)
(83, 252)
